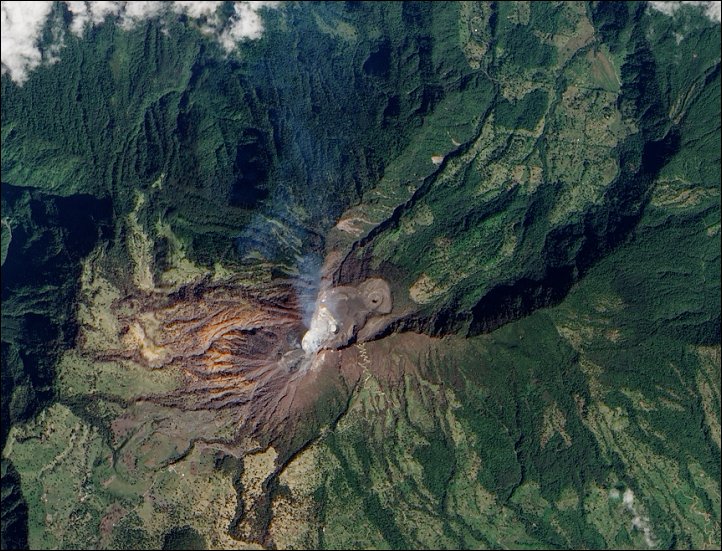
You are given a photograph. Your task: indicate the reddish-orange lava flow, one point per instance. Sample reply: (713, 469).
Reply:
(239, 351)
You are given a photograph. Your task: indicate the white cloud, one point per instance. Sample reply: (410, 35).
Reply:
(23, 23)
(639, 522)
(100, 10)
(80, 16)
(712, 10)
(137, 11)
(245, 23)
(196, 10)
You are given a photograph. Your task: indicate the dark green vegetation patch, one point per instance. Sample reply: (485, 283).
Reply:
(540, 184)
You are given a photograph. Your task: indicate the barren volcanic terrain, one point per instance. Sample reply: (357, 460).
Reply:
(361, 275)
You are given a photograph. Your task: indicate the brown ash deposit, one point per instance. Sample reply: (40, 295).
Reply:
(239, 353)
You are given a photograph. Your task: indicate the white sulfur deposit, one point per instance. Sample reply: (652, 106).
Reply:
(323, 328)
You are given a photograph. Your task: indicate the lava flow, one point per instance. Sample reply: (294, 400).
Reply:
(240, 350)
